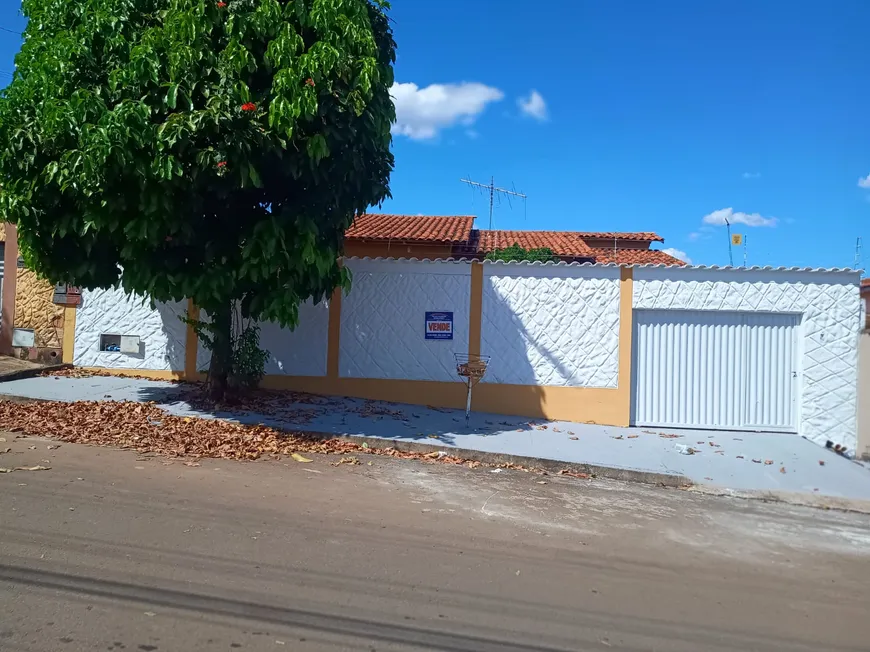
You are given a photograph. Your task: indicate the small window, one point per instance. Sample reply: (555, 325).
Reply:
(110, 342)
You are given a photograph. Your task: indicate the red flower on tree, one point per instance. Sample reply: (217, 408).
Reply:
(221, 4)
(309, 82)
(249, 106)
(222, 164)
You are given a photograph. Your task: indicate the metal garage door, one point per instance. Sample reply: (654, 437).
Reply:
(710, 369)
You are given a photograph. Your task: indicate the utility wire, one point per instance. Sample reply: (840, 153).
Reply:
(10, 31)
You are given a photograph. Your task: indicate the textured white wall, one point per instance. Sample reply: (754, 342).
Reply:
(300, 352)
(551, 324)
(383, 319)
(162, 334)
(829, 304)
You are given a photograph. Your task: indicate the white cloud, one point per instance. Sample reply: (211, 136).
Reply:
(723, 215)
(422, 112)
(752, 175)
(677, 253)
(703, 233)
(864, 182)
(533, 106)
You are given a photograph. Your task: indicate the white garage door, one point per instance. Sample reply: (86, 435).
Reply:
(723, 370)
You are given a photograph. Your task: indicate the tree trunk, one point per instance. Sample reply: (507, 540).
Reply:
(222, 352)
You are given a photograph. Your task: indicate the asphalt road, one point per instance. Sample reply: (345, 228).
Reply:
(110, 551)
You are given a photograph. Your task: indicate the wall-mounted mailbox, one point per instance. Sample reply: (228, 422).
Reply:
(119, 343)
(129, 344)
(23, 337)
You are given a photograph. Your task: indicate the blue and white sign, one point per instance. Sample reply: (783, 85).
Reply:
(439, 325)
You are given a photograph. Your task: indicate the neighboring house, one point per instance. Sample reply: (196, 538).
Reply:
(428, 236)
(27, 307)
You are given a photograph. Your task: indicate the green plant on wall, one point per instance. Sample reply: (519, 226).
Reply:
(516, 253)
(207, 149)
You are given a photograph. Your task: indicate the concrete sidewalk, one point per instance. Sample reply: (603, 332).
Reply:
(721, 461)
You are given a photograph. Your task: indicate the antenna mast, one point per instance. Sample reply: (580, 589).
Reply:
(857, 262)
(493, 192)
(730, 246)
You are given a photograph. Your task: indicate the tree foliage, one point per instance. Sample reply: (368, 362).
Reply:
(209, 149)
(516, 253)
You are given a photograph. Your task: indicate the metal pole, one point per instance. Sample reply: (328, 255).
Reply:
(745, 239)
(468, 402)
(491, 200)
(730, 248)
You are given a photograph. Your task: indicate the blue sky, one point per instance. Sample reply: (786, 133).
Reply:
(646, 116)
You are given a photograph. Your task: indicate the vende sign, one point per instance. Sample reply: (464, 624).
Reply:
(439, 325)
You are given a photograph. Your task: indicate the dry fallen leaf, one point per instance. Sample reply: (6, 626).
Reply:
(616, 436)
(32, 468)
(782, 469)
(821, 462)
(768, 462)
(756, 461)
(633, 436)
(667, 435)
(345, 460)
(299, 458)
(53, 447)
(146, 429)
(574, 438)
(740, 457)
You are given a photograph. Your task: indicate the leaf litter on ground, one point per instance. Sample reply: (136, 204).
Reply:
(146, 428)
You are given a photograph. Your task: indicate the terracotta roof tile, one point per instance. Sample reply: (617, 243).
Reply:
(562, 243)
(411, 228)
(635, 257)
(611, 235)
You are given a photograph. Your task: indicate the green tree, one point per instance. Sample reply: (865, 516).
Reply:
(210, 149)
(516, 253)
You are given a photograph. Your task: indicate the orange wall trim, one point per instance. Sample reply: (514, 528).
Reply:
(69, 334)
(580, 404)
(475, 312)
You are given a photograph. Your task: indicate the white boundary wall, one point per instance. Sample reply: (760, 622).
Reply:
(162, 334)
(300, 352)
(551, 324)
(830, 309)
(383, 319)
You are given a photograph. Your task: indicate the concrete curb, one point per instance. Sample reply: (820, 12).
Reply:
(788, 498)
(30, 373)
(551, 466)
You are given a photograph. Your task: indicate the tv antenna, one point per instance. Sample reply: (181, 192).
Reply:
(494, 191)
